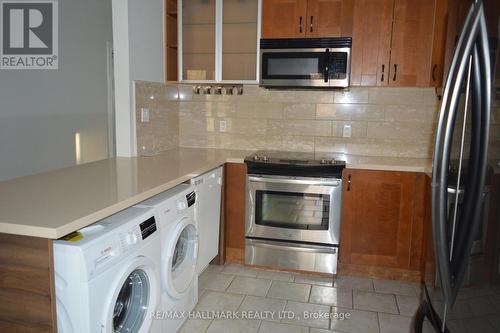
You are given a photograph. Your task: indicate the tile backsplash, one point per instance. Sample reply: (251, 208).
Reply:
(397, 122)
(384, 121)
(162, 130)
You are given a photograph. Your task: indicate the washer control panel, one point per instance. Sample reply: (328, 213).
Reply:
(130, 238)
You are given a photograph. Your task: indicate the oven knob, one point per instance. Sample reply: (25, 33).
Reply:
(324, 161)
(265, 158)
(256, 158)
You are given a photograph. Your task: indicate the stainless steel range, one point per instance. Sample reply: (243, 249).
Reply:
(293, 211)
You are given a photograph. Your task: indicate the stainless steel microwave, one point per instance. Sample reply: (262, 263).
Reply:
(305, 62)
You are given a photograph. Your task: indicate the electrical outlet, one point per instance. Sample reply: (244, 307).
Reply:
(347, 131)
(222, 126)
(144, 115)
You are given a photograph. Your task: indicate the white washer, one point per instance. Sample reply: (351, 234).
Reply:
(175, 209)
(109, 281)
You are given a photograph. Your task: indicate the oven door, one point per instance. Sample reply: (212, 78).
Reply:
(293, 209)
(321, 67)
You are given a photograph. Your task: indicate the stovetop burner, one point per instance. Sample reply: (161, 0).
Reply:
(293, 164)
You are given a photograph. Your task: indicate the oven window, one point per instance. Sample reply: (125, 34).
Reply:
(292, 210)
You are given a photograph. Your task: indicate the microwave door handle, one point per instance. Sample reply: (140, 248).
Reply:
(326, 71)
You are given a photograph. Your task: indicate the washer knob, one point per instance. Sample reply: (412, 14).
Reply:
(131, 238)
(181, 205)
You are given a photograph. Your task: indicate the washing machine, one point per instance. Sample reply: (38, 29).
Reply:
(175, 210)
(107, 275)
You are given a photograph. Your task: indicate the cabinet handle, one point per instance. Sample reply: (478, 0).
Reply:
(311, 25)
(395, 72)
(348, 183)
(383, 70)
(434, 72)
(300, 24)
(326, 71)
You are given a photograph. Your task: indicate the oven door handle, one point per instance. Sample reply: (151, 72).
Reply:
(324, 182)
(292, 246)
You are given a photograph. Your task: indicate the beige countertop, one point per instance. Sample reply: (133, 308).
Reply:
(56, 203)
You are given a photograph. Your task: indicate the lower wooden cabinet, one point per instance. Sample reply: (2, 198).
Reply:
(382, 230)
(234, 211)
(27, 287)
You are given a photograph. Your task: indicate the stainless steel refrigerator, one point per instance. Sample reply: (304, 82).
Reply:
(466, 294)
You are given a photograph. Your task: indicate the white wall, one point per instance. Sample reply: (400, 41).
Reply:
(139, 51)
(146, 40)
(40, 111)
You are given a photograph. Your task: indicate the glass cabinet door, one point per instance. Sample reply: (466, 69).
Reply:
(198, 39)
(239, 39)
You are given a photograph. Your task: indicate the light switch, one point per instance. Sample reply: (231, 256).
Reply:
(222, 126)
(144, 115)
(347, 132)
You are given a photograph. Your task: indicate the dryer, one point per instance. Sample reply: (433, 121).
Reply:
(175, 210)
(107, 276)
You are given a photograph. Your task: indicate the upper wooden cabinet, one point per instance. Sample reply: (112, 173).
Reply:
(370, 28)
(284, 18)
(438, 65)
(324, 18)
(394, 42)
(412, 39)
(382, 223)
(302, 18)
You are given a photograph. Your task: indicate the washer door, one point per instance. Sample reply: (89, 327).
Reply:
(134, 299)
(181, 256)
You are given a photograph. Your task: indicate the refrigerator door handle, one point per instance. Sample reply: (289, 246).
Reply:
(474, 200)
(444, 137)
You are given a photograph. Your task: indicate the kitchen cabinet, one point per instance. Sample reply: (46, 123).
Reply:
(370, 28)
(171, 40)
(219, 40)
(234, 211)
(393, 42)
(198, 40)
(412, 40)
(239, 40)
(324, 18)
(441, 15)
(284, 18)
(382, 224)
(302, 18)
(27, 284)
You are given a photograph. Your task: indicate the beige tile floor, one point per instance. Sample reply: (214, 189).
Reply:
(280, 302)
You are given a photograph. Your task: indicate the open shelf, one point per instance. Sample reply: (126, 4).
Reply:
(171, 40)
